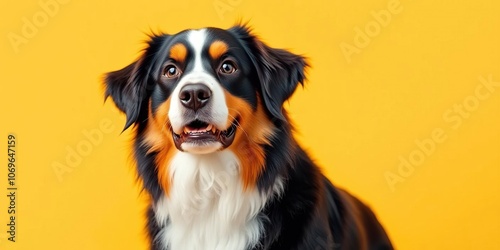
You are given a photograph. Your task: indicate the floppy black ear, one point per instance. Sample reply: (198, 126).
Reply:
(279, 71)
(280, 74)
(127, 88)
(130, 87)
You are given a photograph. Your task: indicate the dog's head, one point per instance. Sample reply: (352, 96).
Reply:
(207, 90)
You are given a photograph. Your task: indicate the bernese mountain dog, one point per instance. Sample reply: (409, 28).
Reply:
(215, 151)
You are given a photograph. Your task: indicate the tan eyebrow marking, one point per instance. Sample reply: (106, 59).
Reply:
(178, 52)
(217, 49)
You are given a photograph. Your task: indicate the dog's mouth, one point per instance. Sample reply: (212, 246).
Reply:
(199, 133)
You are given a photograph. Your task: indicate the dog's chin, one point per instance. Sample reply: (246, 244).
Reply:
(201, 147)
(199, 137)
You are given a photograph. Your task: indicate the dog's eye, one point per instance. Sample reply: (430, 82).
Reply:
(171, 71)
(227, 67)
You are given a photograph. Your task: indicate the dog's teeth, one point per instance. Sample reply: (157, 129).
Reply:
(209, 127)
(186, 130)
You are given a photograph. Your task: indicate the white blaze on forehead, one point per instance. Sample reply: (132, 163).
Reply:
(216, 108)
(196, 39)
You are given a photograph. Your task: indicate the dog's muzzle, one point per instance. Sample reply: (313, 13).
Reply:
(199, 130)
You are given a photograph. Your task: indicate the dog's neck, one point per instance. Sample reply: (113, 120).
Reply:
(207, 205)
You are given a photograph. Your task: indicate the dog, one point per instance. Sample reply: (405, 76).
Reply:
(215, 152)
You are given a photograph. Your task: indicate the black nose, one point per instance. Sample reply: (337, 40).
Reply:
(195, 96)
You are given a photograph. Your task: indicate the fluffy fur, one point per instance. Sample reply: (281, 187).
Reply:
(215, 151)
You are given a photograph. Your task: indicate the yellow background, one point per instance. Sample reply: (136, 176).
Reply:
(356, 118)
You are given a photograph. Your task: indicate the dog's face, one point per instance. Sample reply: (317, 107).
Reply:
(202, 91)
(206, 82)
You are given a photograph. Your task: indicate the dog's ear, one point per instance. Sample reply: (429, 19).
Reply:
(130, 87)
(280, 74)
(127, 89)
(279, 71)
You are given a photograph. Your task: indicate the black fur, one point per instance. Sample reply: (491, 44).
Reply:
(311, 213)
(279, 71)
(131, 86)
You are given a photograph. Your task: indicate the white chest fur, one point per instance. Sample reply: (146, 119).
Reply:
(207, 207)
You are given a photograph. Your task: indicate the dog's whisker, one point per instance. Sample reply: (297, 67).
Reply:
(238, 125)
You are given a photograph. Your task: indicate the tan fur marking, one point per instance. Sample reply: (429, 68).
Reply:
(217, 49)
(254, 130)
(158, 137)
(178, 52)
